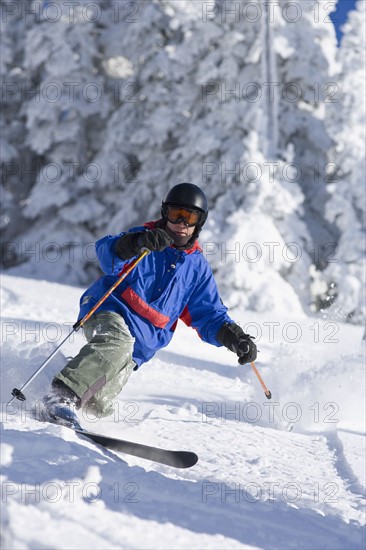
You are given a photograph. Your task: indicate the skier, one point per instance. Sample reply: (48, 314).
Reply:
(173, 281)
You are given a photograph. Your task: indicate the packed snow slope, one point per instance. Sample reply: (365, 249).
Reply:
(255, 485)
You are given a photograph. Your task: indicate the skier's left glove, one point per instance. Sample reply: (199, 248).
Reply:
(131, 244)
(234, 338)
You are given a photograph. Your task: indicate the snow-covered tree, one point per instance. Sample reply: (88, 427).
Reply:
(346, 208)
(15, 156)
(306, 47)
(65, 116)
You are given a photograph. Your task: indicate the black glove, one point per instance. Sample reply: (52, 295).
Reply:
(131, 244)
(155, 240)
(234, 338)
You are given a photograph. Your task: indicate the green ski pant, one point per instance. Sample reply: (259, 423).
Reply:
(102, 367)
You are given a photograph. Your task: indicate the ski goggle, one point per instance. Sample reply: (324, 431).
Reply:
(176, 214)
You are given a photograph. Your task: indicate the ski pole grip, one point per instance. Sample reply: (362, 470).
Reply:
(18, 394)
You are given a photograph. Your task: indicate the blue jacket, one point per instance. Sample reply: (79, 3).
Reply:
(162, 288)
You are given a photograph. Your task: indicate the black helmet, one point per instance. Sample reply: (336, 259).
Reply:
(189, 196)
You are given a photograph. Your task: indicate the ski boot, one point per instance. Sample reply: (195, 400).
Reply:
(60, 409)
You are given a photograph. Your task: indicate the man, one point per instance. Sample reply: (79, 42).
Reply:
(174, 281)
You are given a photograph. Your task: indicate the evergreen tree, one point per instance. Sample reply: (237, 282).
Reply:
(16, 159)
(346, 208)
(65, 116)
(306, 47)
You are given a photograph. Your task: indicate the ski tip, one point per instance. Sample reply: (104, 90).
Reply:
(186, 459)
(176, 459)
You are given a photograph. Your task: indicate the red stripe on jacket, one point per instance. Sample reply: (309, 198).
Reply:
(186, 317)
(142, 308)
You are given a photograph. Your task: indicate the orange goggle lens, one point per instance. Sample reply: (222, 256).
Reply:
(177, 214)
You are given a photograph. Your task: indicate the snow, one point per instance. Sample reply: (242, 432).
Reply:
(255, 484)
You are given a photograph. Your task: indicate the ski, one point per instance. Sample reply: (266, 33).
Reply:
(176, 459)
(68, 419)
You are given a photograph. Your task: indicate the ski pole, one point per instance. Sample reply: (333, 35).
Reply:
(18, 393)
(266, 390)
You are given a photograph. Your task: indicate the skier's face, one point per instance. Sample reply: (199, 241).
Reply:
(179, 232)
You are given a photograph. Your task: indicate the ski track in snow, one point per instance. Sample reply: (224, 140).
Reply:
(342, 466)
(255, 485)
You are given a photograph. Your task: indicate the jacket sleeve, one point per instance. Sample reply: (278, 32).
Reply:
(205, 311)
(108, 258)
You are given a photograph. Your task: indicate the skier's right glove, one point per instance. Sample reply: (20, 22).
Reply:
(131, 244)
(234, 338)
